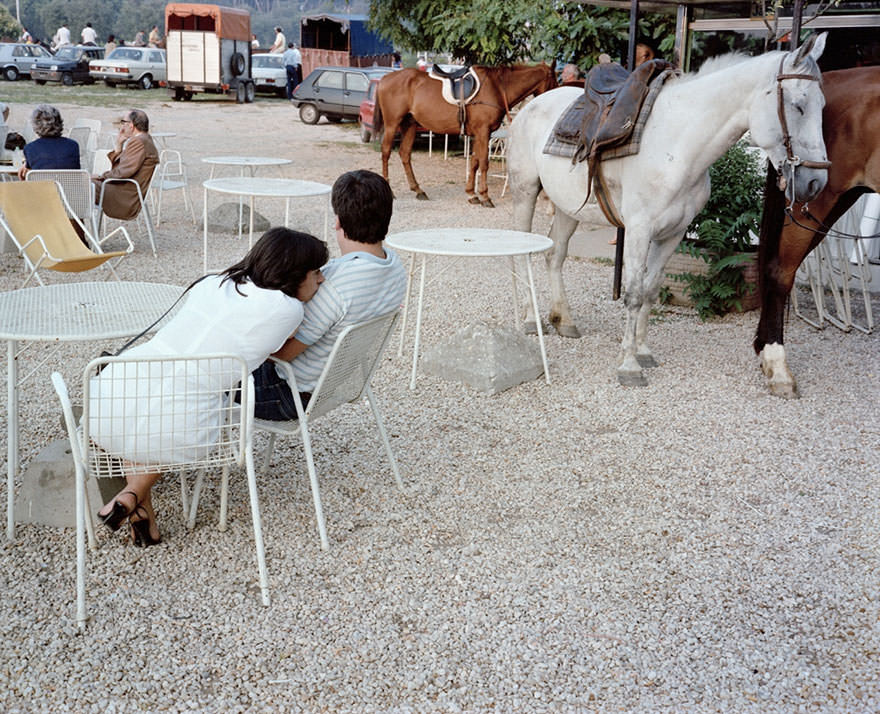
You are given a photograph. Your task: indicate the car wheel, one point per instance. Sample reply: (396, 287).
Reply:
(67, 79)
(239, 93)
(309, 114)
(11, 73)
(237, 64)
(145, 82)
(365, 134)
(40, 81)
(250, 92)
(111, 84)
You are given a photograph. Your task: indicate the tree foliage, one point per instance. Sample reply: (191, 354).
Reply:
(495, 32)
(9, 26)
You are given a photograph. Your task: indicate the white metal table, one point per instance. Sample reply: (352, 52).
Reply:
(468, 243)
(251, 163)
(163, 136)
(256, 186)
(69, 312)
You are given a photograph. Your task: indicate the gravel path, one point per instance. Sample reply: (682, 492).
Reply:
(692, 546)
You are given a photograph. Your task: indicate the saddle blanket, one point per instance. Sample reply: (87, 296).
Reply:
(565, 137)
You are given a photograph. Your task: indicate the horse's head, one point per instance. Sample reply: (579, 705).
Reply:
(548, 81)
(787, 122)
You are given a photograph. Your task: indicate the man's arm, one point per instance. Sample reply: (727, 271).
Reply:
(130, 160)
(290, 349)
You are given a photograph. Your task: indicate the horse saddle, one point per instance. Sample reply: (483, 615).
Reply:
(459, 86)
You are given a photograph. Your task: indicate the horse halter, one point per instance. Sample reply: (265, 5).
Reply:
(792, 159)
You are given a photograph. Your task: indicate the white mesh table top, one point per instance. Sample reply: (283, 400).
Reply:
(476, 242)
(246, 160)
(268, 187)
(70, 312)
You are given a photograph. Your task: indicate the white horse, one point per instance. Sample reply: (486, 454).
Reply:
(777, 97)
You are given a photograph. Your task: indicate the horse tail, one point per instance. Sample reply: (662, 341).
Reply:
(772, 219)
(378, 120)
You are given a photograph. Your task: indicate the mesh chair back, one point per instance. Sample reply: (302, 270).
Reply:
(77, 186)
(351, 364)
(164, 413)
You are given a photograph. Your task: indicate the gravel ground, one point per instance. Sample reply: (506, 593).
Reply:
(695, 545)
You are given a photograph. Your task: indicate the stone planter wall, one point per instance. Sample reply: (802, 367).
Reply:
(684, 263)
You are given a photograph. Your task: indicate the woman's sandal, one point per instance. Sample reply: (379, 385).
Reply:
(118, 513)
(140, 529)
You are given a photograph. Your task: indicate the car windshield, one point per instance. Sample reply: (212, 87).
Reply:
(125, 53)
(267, 61)
(68, 53)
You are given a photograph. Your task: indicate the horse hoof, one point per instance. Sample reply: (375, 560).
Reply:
(422, 196)
(568, 331)
(487, 203)
(474, 200)
(646, 361)
(786, 390)
(631, 379)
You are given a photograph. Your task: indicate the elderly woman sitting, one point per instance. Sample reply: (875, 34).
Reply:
(50, 150)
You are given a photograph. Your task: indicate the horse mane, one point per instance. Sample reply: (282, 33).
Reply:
(721, 63)
(498, 70)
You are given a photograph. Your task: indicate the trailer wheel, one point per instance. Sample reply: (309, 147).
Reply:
(250, 92)
(240, 93)
(237, 64)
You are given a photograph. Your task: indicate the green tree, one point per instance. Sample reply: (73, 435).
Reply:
(9, 27)
(495, 32)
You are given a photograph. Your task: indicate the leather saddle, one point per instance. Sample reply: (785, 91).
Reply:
(612, 101)
(459, 87)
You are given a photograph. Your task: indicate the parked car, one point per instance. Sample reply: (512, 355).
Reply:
(334, 92)
(143, 66)
(368, 108)
(69, 65)
(16, 58)
(269, 74)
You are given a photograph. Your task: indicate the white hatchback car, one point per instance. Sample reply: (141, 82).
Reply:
(269, 73)
(144, 66)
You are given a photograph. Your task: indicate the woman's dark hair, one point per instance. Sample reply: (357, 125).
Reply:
(280, 260)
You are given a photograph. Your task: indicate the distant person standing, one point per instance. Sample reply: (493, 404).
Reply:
(291, 59)
(140, 39)
(255, 43)
(154, 39)
(395, 61)
(26, 37)
(280, 42)
(89, 36)
(110, 44)
(62, 36)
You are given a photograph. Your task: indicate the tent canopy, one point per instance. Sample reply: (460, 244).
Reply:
(344, 32)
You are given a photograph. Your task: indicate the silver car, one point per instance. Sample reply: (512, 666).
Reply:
(16, 58)
(143, 66)
(269, 73)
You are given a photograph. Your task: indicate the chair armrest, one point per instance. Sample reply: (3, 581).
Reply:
(119, 180)
(290, 378)
(100, 242)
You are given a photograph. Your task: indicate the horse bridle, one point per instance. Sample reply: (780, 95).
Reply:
(791, 159)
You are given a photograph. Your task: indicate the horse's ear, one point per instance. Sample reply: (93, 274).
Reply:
(814, 46)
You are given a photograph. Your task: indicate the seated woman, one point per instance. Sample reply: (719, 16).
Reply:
(50, 150)
(250, 309)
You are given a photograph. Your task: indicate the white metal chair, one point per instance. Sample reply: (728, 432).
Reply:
(35, 216)
(82, 136)
(171, 176)
(101, 161)
(78, 189)
(144, 212)
(94, 127)
(345, 378)
(498, 151)
(189, 422)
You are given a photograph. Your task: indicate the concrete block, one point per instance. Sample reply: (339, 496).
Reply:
(487, 357)
(224, 219)
(47, 491)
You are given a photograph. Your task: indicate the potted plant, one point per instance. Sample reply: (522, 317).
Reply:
(722, 273)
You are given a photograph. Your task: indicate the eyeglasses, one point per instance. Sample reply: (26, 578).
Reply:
(123, 121)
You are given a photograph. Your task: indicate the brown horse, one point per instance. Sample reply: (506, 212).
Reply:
(851, 125)
(410, 96)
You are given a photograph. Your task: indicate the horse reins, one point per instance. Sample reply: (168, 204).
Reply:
(820, 227)
(791, 158)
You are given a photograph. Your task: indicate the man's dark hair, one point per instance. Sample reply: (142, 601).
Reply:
(280, 260)
(363, 202)
(139, 119)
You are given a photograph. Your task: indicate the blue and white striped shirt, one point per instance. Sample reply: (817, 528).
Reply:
(357, 286)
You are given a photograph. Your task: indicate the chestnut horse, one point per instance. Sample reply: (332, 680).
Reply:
(409, 97)
(851, 125)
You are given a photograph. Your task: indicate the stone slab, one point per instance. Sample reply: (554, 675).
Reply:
(224, 219)
(47, 492)
(486, 356)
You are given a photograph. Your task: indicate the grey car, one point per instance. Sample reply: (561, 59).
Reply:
(16, 58)
(334, 92)
(143, 66)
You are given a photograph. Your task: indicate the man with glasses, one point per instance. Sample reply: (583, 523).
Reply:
(134, 156)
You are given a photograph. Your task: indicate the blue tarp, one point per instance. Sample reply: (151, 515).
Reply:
(328, 32)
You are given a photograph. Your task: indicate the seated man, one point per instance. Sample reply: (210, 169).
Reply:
(366, 281)
(134, 156)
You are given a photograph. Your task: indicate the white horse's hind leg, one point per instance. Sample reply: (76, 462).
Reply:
(561, 230)
(525, 185)
(775, 368)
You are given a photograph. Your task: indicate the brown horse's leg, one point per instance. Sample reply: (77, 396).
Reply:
(387, 143)
(481, 152)
(408, 137)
